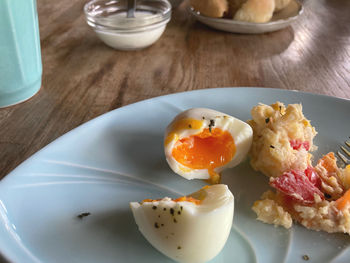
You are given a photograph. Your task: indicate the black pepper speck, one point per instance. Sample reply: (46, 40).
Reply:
(175, 221)
(172, 211)
(211, 124)
(82, 215)
(179, 212)
(179, 247)
(156, 225)
(328, 196)
(164, 209)
(154, 207)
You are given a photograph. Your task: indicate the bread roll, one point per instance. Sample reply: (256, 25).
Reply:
(234, 5)
(280, 4)
(256, 11)
(211, 8)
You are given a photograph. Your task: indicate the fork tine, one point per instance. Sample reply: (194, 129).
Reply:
(343, 158)
(347, 143)
(345, 150)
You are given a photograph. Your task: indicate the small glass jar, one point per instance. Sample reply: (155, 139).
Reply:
(111, 24)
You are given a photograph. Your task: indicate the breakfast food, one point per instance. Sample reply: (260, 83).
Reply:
(256, 11)
(318, 197)
(211, 8)
(234, 5)
(280, 4)
(282, 139)
(192, 228)
(200, 143)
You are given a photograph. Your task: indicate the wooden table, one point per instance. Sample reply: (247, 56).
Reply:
(83, 78)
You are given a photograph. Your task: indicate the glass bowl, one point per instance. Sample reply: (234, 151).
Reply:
(110, 22)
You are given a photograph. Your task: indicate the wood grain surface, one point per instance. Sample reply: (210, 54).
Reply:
(83, 78)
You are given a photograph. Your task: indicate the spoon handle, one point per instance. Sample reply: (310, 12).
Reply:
(131, 8)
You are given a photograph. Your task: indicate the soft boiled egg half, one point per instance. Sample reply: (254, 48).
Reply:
(192, 228)
(200, 143)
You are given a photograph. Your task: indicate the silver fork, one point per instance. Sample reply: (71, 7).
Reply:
(346, 151)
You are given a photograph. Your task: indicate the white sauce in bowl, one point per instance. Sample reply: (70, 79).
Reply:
(108, 18)
(132, 40)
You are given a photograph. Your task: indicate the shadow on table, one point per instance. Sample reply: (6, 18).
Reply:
(256, 46)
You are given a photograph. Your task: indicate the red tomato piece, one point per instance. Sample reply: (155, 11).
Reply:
(313, 176)
(306, 145)
(296, 185)
(297, 144)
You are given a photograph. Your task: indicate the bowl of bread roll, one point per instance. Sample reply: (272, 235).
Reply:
(246, 16)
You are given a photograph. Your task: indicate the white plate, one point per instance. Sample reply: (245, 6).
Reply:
(118, 157)
(280, 20)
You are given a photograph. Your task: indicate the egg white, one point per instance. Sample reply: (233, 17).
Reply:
(240, 131)
(185, 231)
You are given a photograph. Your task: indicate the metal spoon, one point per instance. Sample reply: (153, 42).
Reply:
(131, 8)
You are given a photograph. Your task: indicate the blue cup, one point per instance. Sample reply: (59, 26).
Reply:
(20, 57)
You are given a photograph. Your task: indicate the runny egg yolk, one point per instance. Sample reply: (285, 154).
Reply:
(180, 125)
(209, 149)
(180, 199)
(188, 199)
(200, 195)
